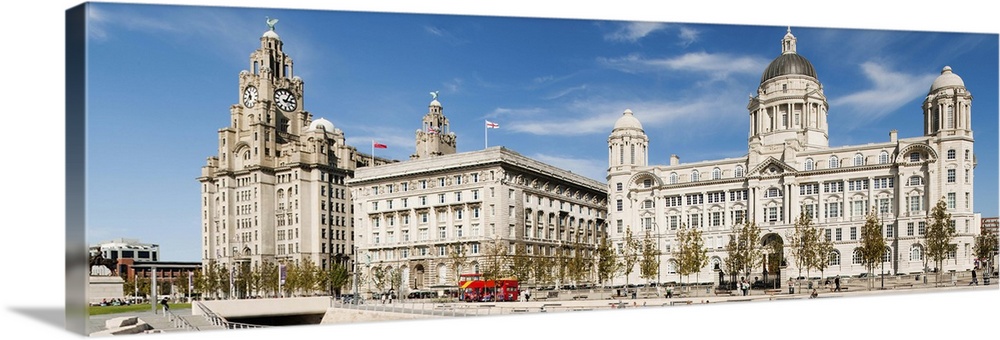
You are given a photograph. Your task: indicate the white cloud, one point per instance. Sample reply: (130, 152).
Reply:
(717, 66)
(688, 35)
(590, 168)
(890, 90)
(598, 116)
(632, 32)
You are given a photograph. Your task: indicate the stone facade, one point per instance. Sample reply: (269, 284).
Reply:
(277, 189)
(790, 169)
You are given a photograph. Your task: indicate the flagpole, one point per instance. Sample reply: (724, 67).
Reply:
(486, 131)
(373, 152)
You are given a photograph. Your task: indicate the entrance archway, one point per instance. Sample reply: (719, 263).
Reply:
(418, 279)
(774, 259)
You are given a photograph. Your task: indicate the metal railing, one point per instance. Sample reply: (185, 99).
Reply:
(179, 322)
(219, 320)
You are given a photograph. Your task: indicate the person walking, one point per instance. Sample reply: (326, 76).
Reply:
(791, 286)
(974, 280)
(166, 306)
(836, 282)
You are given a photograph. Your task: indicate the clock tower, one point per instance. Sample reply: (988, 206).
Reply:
(276, 191)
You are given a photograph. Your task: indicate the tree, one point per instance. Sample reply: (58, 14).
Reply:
(984, 248)
(607, 262)
(579, 265)
(520, 266)
(873, 245)
(541, 269)
(649, 262)
(496, 253)
(940, 232)
(801, 242)
(458, 257)
(335, 277)
(309, 275)
(629, 254)
(743, 249)
(691, 255)
(269, 278)
(380, 278)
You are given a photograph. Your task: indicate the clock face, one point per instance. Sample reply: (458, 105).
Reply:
(250, 96)
(285, 100)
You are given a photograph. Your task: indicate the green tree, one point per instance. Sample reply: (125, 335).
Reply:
(541, 268)
(335, 278)
(520, 266)
(310, 277)
(607, 262)
(629, 254)
(985, 247)
(579, 264)
(743, 250)
(691, 255)
(649, 264)
(940, 233)
(801, 242)
(269, 278)
(873, 245)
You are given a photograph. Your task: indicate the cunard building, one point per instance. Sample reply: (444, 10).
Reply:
(791, 169)
(277, 189)
(411, 216)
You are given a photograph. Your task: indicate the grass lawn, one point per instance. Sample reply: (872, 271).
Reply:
(98, 310)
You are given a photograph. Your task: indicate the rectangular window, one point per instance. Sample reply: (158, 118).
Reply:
(619, 205)
(840, 233)
(921, 228)
(854, 233)
(889, 231)
(951, 200)
(915, 203)
(951, 175)
(909, 229)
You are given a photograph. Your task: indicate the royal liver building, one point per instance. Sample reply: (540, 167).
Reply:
(791, 169)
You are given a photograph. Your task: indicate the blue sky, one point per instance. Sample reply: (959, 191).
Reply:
(162, 79)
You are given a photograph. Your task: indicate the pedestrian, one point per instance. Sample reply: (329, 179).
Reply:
(527, 295)
(791, 286)
(744, 286)
(836, 282)
(166, 306)
(974, 280)
(814, 294)
(670, 292)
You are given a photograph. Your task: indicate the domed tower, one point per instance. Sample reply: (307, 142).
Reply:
(628, 145)
(790, 107)
(435, 137)
(948, 106)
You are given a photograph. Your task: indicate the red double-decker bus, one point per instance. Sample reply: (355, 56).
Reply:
(474, 289)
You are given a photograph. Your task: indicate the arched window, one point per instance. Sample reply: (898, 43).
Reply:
(739, 171)
(694, 176)
(810, 164)
(859, 160)
(856, 258)
(716, 173)
(834, 162)
(673, 178)
(887, 257)
(916, 253)
(883, 157)
(833, 259)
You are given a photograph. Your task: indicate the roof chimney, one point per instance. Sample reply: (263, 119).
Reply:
(674, 160)
(893, 136)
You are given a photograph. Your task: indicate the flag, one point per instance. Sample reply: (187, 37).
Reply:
(492, 125)
(378, 145)
(433, 131)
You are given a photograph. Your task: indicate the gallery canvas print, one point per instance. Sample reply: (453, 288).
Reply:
(248, 169)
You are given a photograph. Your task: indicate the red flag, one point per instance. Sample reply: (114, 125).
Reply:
(492, 125)
(378, 145)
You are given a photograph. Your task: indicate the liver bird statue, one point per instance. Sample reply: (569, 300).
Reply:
(271, 22)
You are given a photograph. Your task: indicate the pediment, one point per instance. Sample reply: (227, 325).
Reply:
(771, 167)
